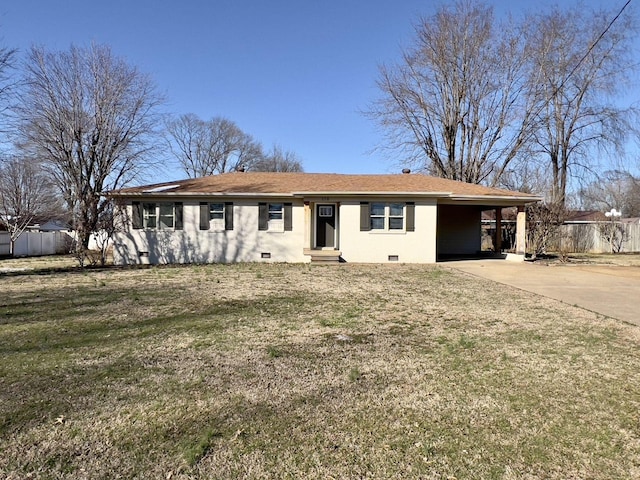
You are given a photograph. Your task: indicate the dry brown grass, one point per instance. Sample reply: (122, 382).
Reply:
(24, 264)
(292, 371)
(620, 259)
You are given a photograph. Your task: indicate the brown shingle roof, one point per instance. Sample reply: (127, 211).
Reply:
(255, 183)
(586, 216)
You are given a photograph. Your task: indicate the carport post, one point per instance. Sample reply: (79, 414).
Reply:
(521, 231)
(498, 238)
(308, 215)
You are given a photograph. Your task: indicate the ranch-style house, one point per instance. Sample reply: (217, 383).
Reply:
(304, 217)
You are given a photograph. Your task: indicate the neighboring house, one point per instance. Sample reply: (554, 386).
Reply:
(53, 225)
(585, 216)
(302, 217)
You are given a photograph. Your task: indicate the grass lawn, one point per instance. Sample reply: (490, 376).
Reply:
(298, 371)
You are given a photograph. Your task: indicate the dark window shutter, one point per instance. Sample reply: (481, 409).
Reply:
(410, 212)
(228, 216)
(178, 212)
(263, 216)
(288, 220)
(365, 217)
(204, 216)
(136, 219)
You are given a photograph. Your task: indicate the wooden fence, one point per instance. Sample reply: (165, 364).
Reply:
(595, 237)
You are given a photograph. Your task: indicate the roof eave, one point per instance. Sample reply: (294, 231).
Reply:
(349, 193)
(197, 194)
(493, 198)
(444, 195)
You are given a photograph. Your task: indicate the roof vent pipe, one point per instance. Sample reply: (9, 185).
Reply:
(406, 171)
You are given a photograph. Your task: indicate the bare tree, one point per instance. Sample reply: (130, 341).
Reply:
(615, 233)
(27, 195)
(613, 189)
(7, 82)
(208, 147)
(475, 100)
(581, 61)
(113, 219)
(526, 174)
(543, 228)
(278, 160)
(91, 118)
(456, 104)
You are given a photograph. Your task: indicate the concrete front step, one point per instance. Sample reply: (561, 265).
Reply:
(325, 259)
(323, 256)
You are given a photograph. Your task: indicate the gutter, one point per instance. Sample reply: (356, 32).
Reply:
(442, 195)
(528, 199)
(196, 194)
(334, 193)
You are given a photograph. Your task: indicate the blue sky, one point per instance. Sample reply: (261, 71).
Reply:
(292, 72)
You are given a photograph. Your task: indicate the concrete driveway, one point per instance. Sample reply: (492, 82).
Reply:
(613, 291)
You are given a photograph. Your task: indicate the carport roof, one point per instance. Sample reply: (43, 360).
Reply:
(313, 184)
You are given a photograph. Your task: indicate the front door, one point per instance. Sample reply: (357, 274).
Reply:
(326, 226)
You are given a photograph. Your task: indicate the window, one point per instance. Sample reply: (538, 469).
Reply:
(387, 216)
(166, 217)
(162, 216)
(377, 216)
(216, 211)
(275, 211)
(325, 211)
(149, 215)
(396, 216)
(216, 216)
(275, 217)
(380, 216)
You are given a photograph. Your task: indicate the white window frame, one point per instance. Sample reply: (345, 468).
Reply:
(387, 217)
(377, 216)
(160, 216)
(392, 217)
(275, 217)
(217, 216)
(149, 211)
(152, 218)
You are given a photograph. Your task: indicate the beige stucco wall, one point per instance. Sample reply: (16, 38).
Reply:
(245, 243)
(375, 246)
(459, 230)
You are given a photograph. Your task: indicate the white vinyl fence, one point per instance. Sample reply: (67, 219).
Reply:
(5, 244)
(32, 244)
(589, 238)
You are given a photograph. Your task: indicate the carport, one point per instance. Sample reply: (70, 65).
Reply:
(459, 227)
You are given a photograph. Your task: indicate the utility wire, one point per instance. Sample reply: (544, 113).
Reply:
(593, 45)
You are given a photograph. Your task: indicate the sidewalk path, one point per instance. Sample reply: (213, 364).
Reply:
(613, 291)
